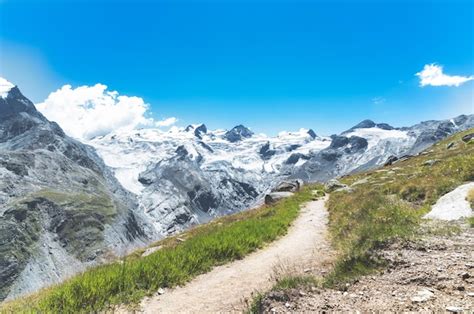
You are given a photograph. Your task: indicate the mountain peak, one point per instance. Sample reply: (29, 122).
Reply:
(12, 102)
(365, 124)
(198, 129)
(238, 133)
(368, 124)
(312, 133)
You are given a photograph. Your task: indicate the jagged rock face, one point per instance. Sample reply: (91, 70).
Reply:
(61, 208)
(266, 152)
(198, 130)
(181, 191)
(312, 133)
(238, 133)
(181, 180)
(430, 132)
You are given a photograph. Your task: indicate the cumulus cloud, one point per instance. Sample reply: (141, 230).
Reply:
(88, 111)
(432, 75)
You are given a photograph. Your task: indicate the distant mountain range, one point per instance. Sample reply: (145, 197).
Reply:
(65, 205)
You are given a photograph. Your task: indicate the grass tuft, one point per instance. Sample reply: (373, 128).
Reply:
(470, 198)
(470, 221)
(296, 281)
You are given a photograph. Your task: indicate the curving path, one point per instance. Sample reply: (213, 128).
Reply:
(226, 288)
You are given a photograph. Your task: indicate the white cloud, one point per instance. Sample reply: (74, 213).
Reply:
(5, 87)
(166, 122)
(432, 74)
(88, 111)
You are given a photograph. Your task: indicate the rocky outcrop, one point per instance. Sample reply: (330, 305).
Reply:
(312, 133)
(390, 160)
(283, 190)
(180, 192)
(289, 186)
(334, 185)
(266, 152)
(238, 133)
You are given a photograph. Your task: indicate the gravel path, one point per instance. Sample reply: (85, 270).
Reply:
(228, 287)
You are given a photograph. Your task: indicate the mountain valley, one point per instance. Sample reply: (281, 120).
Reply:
(67, 205)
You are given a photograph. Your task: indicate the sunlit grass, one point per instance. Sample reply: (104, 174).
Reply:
(390, 204)
(178, 261)
(385, 205)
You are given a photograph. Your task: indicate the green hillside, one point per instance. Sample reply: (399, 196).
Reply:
(179, 259)
(389, 202)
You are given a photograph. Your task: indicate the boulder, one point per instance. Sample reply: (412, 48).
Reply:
(422, 296)
(468, 137)
(274, 197)
(334, 184)
(430, 162)
(450, 145)
(404, 157)
(390, 160)
(454, 309)
(289, 186)
(151, 250)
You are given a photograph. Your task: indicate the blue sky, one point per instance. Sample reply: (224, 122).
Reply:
(271, 65)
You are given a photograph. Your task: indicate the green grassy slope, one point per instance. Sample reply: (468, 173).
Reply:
(180, 259)
(389, 202)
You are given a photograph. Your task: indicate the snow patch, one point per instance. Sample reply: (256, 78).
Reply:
(375, 135)
(453, 205)
(5, 87)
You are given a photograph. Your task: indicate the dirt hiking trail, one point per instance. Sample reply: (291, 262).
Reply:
(227, 288)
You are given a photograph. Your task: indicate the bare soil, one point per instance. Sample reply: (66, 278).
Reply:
(434, 273)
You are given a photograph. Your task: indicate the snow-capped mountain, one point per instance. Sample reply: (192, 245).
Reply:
(368, 145)
(189, 175)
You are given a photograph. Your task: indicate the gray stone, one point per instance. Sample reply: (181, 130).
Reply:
(289, 186)
(334, 184)
(422, 296)
(454, 309)
(274, 197)
(430, 162)
(468, 137)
